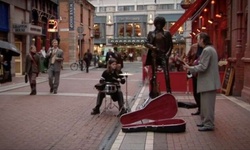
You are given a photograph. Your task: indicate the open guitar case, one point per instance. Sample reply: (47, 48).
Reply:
(157, 116)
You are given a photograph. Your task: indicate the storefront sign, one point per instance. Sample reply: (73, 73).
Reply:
(27, 29)
(71, 16)
(134, 18)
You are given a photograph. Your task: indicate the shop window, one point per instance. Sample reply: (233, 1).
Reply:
(120, 30)
(130, 30)
(97, 32)
(138, 30)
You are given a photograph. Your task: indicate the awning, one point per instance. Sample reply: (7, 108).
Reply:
(189, 13)
(4, 46)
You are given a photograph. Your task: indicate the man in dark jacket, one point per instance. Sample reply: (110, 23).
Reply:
(118, 58)
(87, 58)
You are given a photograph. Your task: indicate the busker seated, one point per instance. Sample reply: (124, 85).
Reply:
(111, 77)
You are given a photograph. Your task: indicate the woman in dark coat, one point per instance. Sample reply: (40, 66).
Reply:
(32, 68)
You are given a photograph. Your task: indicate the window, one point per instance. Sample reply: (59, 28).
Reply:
(138, 30)
(130, 30)
(97, 32)
(129, 8)
(120, 8)
(81, 14)
(126, 8)
(102, 9)
(165, 6)
(178, 6)
(141, 7)
(120, 30)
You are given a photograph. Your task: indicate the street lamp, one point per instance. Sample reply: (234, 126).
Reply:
(80, 30)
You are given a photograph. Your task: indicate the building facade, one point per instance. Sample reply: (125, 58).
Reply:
(125, 24)
(75, 28)
(37, 22)
(23, 24)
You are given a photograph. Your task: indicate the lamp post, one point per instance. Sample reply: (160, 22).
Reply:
(80, 37)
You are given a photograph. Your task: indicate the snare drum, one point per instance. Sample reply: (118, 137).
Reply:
(110, 88)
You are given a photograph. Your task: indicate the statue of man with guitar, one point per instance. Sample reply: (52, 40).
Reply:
(160, 45)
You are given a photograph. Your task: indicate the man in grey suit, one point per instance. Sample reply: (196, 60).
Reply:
(55, 64)
(208, 81)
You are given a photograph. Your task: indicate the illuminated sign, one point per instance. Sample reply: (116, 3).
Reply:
(53, 25)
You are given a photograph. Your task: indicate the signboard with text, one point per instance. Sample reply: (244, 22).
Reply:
(71, 16)
(27, 29)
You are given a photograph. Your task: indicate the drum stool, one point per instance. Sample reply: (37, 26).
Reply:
(108, 104)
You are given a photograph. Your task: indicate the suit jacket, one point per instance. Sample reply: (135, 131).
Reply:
(149, 43)
(59, 59)
(208, 71)
(30, 66)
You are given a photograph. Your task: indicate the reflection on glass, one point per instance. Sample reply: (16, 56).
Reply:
(130, 30)
(97, 31)
(120, 30)
(137, 30)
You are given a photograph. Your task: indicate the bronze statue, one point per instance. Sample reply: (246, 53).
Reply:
(160, 45)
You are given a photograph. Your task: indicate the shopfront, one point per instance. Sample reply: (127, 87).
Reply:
(4, 29)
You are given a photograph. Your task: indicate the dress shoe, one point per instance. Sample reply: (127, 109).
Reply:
(196, 113)
(51, 91)
(55, 92)
(206, 129)
(95, 111)
(200, 125)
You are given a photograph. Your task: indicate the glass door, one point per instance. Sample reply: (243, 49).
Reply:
(18, 60)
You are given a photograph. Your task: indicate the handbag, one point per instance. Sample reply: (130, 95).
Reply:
(100, 86)
(26, 78)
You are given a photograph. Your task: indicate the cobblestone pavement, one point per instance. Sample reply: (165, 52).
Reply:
(57, 122)
(63, 121)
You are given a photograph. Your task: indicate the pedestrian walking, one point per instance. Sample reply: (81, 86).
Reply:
(32, 68)
(109, 55)
(87, 57)
(55, 65)
(208, 81)
(118, 58)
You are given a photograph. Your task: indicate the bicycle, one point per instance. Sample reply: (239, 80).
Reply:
(78, 64)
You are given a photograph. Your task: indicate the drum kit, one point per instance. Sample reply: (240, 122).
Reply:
(126, 78)
(112, 88)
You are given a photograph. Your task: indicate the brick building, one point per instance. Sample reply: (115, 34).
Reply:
(75, 28)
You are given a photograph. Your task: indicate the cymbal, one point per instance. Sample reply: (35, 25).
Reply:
(125, 74)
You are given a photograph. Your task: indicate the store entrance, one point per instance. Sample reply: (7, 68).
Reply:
(18, 60)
